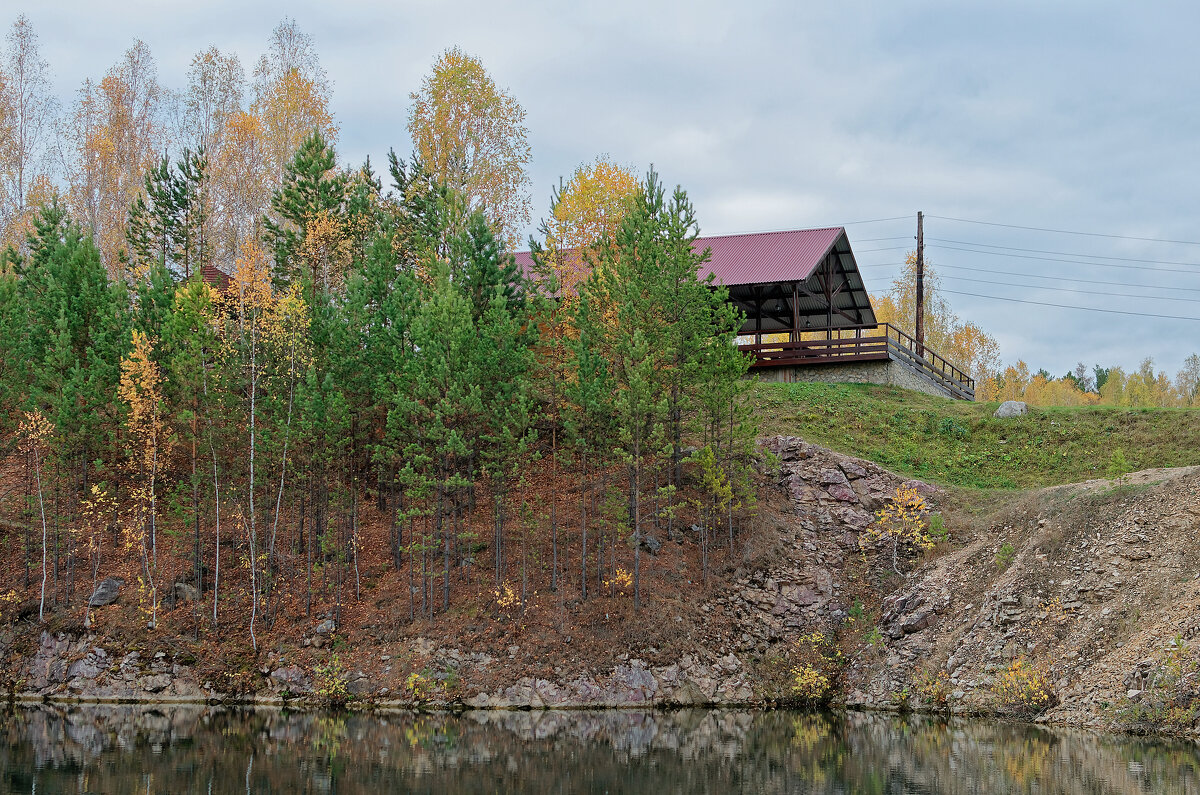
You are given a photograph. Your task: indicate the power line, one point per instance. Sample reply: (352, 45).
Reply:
(877, 239)
(1068, 253)
(1068, 306)
(1022, 274)
(876, 220)
(1069, 261)
(1071, 290)
(886, 248)
(1068, 231)
(1070, 279)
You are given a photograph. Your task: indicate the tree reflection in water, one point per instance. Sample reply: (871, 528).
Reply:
(200, 750)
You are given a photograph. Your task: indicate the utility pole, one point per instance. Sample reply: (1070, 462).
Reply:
(920, 325)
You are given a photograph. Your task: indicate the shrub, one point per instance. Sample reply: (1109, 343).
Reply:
(1005, 555)
(1169, 702)
(332, 683)
(952, 428)
(938, 532)
(418, 686)
(933, 689)
(1118, 465)
(816, 663)
(1022, 690)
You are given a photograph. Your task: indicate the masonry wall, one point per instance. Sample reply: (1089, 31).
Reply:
(886, 373)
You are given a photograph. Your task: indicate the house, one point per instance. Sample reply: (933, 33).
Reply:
(808, 316)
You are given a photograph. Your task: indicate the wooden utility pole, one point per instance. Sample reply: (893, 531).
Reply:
(920, 325)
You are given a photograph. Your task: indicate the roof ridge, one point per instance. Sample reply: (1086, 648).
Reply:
(773, 232)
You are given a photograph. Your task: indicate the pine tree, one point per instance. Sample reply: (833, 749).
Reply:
(312, 192)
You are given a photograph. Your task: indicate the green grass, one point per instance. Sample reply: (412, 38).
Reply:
(958, 443)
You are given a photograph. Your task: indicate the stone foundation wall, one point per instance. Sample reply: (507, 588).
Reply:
(886, 373)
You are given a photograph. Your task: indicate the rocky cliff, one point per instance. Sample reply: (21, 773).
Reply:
(1095, 584)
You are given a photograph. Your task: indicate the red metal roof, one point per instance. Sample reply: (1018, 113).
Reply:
(765, 257)
(758, 257)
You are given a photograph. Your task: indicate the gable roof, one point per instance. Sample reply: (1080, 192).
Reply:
(761, 268)
(756, 257)
(768, 257)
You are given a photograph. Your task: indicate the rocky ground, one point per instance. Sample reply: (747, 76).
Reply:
(1093, 583)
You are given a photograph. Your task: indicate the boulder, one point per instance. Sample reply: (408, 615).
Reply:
(106, 592)
(185, 592)
(651, 544)
(1011, 408)
(291, 678)
(155, 683)
(326, 627)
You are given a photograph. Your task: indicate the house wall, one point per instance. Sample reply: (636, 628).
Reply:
(886, 373)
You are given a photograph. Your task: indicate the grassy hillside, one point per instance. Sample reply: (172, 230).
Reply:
(961, 444)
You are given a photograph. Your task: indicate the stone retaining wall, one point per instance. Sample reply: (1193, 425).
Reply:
(886, 373)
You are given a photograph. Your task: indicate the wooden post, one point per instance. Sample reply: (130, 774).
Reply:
(795, 312)
(757, 318)
(920, 324)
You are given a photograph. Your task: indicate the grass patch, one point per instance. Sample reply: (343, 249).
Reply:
(959, 443)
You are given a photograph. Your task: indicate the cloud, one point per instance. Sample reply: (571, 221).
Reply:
(1071, 115)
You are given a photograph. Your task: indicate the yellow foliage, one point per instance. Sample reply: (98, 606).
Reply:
(332, 683)
(1022, 689)
(962, 343)
(622, 580)
(816, 659)
(902, 522)
(289, 107)
(932, 688)
(506, 597)
(117, 135)
(590, 206)
(471, 135)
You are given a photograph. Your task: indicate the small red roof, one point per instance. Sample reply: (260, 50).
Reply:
(758, 257)
(215, 276)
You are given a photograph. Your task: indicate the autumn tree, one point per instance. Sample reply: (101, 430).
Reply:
(1187, 381)
(241, 186)
(117, 133)
(216, 84)
(250, 302)
(291, 98)
(962, 343)
(208, 108)
(35, 430)
(471, 135)
(587, 208)
(141, 392)
(29, 111)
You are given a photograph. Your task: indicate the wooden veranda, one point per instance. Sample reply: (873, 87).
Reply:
(806, 306)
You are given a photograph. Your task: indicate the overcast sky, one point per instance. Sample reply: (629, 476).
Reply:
(1076, 116)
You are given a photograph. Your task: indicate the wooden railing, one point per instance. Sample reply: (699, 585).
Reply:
(869, 343)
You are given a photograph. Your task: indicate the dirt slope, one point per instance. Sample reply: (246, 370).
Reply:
(1103, 583)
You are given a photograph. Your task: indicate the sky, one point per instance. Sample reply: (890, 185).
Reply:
(1070, 116)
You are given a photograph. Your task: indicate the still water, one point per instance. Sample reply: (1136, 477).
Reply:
(118, 749)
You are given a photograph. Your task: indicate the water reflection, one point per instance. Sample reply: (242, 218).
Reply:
(201, 750)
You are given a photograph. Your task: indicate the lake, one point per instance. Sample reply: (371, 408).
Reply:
(118, 749)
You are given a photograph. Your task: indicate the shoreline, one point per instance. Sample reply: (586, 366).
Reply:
(456, 708)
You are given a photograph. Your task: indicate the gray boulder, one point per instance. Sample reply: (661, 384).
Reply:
(651, 544)
(106, 592)
(1011, 408)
